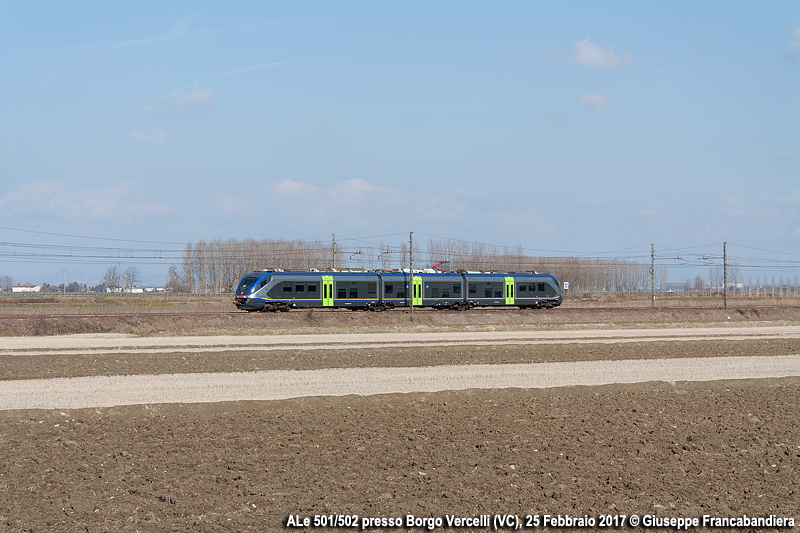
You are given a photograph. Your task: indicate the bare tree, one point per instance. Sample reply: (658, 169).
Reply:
(177, 281)
(699, 284)
(131, 277)
(112, 278)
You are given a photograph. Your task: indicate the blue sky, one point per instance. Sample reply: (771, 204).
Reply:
(565, 127)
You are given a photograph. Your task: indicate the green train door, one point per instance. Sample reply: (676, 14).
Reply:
(327, 291)
(417, 292)
(509, 291)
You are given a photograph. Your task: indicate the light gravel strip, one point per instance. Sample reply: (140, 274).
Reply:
(94, 343)
(335, 346)
(86, 392)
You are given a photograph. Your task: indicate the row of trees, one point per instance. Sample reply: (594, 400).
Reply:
(217, 266)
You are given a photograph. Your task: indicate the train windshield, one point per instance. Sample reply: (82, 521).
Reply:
(245, 284)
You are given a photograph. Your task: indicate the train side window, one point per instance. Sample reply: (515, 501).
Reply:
(287, 286)
(532, 287)
(341, 293)
(522, 288)
(353, 292)
(487, 293)
(401, 293)
(456, 289)
(473, 288)
(435, 292)
(372, 288)
(312, 287)
(388, 288)
(498, 293)
(299, 287)
(541, 287)
(445, 293)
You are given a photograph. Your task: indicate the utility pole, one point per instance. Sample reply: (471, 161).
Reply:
(652, 274)
(333, 251)
(725, 275)
(411, 271)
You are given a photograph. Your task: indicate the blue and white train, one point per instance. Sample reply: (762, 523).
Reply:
(272, 290)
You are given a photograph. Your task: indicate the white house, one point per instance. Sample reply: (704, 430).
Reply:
(26, 288)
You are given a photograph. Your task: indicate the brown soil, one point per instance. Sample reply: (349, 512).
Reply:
(721, 448)
(724, 449)
(345, 320)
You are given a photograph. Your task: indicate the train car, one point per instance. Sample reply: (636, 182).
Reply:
(394, 290)
(440, 290)
(281, 291)
(536, 291)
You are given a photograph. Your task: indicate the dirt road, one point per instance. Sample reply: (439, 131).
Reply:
(107, 391)
(94, 343)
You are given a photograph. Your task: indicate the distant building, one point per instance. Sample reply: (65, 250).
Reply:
(675, 287)
(26, 288)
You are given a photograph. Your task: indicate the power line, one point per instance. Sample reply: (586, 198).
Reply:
(85, 236)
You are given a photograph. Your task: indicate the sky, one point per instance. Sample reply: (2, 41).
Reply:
(566, 128)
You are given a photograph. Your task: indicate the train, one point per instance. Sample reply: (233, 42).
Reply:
(276, 290)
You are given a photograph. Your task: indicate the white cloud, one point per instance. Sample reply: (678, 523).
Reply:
(158, 138)
(359, 201)
(588, 54)
(796, 35)
(352, 196)
(225, 203)
(54, 198)
(787, 154)
(787, 198)
(195, 100)
(297, 204)
(356, 206)
(600, 102)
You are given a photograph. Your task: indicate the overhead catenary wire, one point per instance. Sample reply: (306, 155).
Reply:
(374, 253)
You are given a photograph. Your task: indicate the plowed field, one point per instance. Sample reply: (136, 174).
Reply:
(681, 449)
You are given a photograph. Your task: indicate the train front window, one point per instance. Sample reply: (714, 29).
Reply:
(245, 284)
